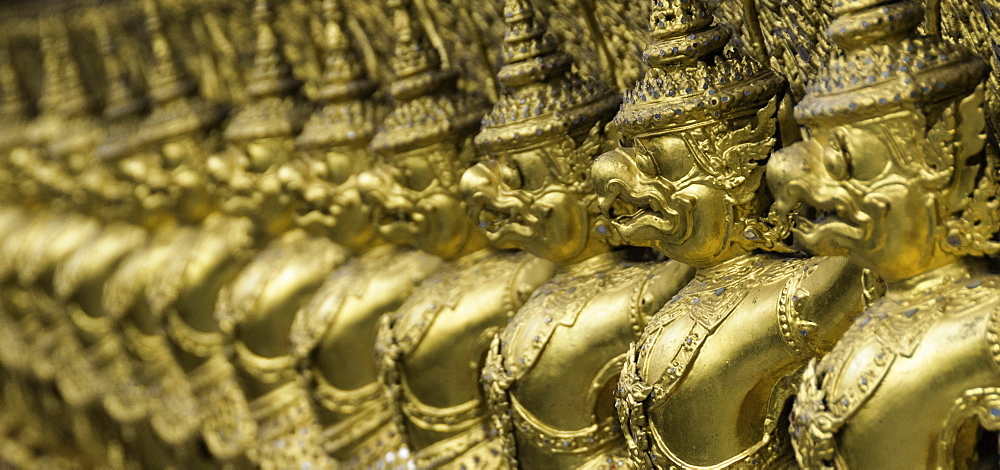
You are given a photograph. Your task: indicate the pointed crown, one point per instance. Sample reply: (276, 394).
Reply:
(178, 108)
(690, 80)
(13, 115)
(544, 97)
(886, 65)
(121, 98)
(123, 106)
(79, 130)
(272, 111)
(428, 106)
(74, 99)
(348, 114)
(45, 125)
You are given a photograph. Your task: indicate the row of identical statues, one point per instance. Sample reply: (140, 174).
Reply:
(324, 234)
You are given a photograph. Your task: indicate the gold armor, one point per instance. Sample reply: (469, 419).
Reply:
(897, 166)
(534, 193)
(719, 362)
(431, 349)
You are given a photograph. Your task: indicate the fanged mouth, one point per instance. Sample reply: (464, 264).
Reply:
(491, 221)
(399, 216)
(621, 211)
(627, 212)
(494, 219)
(316, 218)
(809, 217)
(819, 226)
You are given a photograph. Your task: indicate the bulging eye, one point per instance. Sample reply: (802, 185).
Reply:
(645, 163)
(318, 169)
(510, 176)
(836, 159)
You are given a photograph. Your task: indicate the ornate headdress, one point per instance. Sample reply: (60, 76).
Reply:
(545, 98)
(720, 103)
(272, 111)
(428, 106)
(690, 81)
(886, 66)
(348, 114)
(178, 107)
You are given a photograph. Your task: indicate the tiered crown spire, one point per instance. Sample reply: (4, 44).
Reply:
(428, 106)
(169, 81)
(271, 75)
(544, 97)
(121, 99)
(690, 81)
(348, 114)
(272, 111)
(52, 90)
(45, 125)
(75, 100)
(123, 105)
(886, 65)
(178, 108)
(12, 105)
(79, 131)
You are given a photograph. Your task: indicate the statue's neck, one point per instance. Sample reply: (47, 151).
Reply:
(933, 279)
(719, 269)
(598, 262)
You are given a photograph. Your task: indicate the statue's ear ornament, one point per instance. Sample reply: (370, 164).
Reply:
(730, 155)
(970, 228)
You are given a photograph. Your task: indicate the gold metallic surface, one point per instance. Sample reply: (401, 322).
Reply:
(499, 234)
(533, 192)
(718, 363)
(902, 166)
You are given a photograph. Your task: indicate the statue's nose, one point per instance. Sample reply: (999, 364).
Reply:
(791, 169)
(477, 180)
(609, 166)
(374, 185)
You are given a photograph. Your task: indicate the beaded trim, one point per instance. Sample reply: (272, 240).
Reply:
(345, 401)
(588, 439)
(269, 370)
(192, 341)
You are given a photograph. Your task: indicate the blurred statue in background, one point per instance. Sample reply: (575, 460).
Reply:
(432, 348)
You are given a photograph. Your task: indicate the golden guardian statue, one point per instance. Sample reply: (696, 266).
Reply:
(894, 173)
(719, 362)
(334, 334)
(533, 192)
(432, 347)
(499, 234)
